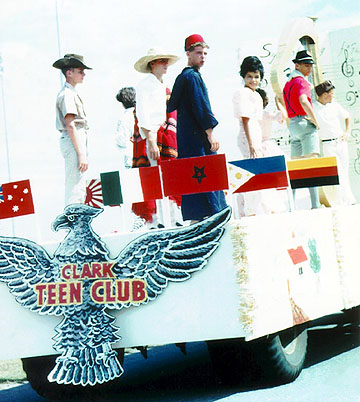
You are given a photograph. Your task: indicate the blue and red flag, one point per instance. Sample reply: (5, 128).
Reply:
(257, 174)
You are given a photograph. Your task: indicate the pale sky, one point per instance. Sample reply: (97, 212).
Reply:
(112, 35)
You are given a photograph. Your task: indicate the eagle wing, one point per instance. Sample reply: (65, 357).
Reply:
(169, 255)
(24, 264)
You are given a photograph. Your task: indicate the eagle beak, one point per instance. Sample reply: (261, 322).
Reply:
(59, 223)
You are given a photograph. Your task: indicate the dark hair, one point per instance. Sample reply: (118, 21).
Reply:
(325, 86)
(264, 96)
(65, 69)
(251, 64)
(127, 97)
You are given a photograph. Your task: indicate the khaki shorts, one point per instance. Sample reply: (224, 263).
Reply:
(304, 137)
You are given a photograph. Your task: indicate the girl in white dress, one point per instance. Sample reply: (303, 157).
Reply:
(248, 109)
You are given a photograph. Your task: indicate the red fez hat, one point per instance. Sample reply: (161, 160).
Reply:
(193, 40)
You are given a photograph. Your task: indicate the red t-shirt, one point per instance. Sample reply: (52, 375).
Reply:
(291, 93)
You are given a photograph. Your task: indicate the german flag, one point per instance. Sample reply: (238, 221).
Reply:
(313, 172)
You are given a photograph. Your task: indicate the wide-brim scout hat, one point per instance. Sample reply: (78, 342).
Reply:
(303, 57)
(71, 60)
(142, 65)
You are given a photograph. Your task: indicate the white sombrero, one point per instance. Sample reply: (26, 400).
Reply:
(142, 65)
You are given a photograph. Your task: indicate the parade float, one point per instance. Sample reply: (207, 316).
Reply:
(248, 287)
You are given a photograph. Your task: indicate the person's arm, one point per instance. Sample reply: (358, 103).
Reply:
(152, 148)
(72, 132)
(281, 108)
(306, 105)
(214, 143)
(245, 122)
(346, 134)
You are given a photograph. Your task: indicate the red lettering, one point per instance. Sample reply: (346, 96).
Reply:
(96, 270)
(107, 272)
(75, 274)
(108, 291)
(51, 293)
(123, 293)
(139, 293)
(64, 271)
(40, 288)
(75, 292)
(62, 293)
(96, 293)
(86, 273)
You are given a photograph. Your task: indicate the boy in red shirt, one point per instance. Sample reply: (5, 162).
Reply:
(303, 127)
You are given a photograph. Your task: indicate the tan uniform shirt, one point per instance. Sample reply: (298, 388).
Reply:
(68, 101)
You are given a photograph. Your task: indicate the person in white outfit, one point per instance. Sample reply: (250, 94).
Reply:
(125, 126)
(151, 109)
(71, 121)
(248, 109)
(334, 132)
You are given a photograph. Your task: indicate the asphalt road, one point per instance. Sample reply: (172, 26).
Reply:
(331, 374)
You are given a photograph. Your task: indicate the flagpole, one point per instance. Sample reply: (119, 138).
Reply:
(58, 38)
(5, 131)
(4, 117)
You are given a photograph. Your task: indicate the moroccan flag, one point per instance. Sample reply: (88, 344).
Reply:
(93, 194)
(131, 185)
(313, 172)
(16, 199)
(194, 175)
(257, 174)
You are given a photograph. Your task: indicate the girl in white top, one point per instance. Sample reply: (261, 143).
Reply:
(248, 109)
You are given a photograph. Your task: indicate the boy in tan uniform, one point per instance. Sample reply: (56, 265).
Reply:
(72, 123)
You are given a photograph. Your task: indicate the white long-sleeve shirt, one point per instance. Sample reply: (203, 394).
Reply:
(150, 104)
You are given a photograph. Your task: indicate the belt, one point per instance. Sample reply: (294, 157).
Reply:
(329, 139)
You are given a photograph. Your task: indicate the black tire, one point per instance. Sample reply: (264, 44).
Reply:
(37, 370)
(277, 358)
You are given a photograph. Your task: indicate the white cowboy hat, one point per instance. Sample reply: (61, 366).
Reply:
(142, 65)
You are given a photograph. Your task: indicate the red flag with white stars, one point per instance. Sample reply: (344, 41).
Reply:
(16, 199)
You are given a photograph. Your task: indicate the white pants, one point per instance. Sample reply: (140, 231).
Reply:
(340, 149)
(75, 181)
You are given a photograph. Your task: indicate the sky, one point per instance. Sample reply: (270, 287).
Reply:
(112, 35)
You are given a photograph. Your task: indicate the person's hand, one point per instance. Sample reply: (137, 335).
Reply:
(252, 151)
(214, 143)
(314, 122)
(152, 149)
(83, 163)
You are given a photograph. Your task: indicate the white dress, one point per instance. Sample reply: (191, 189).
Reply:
(248, 103)
(270, 148)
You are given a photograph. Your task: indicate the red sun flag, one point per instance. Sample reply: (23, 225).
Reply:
(194, 175)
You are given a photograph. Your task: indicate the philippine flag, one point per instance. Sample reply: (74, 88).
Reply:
(257, 174)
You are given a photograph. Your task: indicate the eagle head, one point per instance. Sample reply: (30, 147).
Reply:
(75, 215)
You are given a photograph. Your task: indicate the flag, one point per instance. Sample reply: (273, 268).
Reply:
(194, 175)
(257, 174)
(313, 172)
(297, 255)
(131, 185)
(16, 199)
(94, 194)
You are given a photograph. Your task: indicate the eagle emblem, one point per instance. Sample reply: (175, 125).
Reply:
(81, 283)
